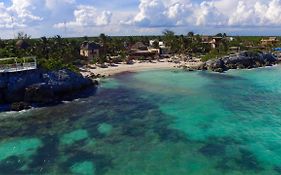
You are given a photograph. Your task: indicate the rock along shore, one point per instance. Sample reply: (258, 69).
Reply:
(21, 90)
(244, 60)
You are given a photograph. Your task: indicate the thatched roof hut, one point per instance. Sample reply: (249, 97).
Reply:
(139, 46)
(22, 44)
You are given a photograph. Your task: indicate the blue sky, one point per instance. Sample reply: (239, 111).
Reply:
(138, 17)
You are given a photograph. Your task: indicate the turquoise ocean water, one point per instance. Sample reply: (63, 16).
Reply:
(154, 123)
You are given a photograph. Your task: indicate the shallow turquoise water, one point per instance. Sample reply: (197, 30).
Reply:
(154, 122)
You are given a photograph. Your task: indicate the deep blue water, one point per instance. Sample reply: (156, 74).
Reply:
(154, 122)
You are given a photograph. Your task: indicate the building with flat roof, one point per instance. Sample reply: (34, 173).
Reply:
(270, 41)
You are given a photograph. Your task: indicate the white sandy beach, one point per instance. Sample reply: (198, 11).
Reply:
(136, 67)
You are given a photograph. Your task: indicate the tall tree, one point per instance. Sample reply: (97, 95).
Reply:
(219, 35)
(23, 36)
(155, 44)
(103, 39)
(86, 38)
(190, 34)
(169, 39)
(2, 43)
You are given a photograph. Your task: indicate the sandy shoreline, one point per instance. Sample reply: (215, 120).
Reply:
(136, 67)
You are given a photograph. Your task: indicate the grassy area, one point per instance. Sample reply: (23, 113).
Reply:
(252, 38)
(55, 64)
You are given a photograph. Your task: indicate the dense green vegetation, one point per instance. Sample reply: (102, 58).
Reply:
(16, 60)
(57, 52)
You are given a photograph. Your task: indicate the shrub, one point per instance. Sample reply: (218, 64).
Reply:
(213, 54)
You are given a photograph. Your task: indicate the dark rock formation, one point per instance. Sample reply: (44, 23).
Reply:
(40, 87)
(216, 65)
(15, 84)
(19, 106)
(39, 93)
(65, 81)
(244, 60)
(1, 97)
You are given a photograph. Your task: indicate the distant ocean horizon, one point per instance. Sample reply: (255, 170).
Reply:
(154, 122)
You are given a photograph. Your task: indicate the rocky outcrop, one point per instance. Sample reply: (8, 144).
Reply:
(19, 106)
(39, 93)
(216, 65)
(14, 84)
(65, 81)
(1, 97)
(244, 60)
(40, 87)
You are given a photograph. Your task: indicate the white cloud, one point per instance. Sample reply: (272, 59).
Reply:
(208, 14)
(23, 10)
(55, 4)
(257, 13)
(151, 13)
(159, 13)
(5, 17)
(269, 14)
(87, 16)
(145, 16)
(164, 13)
(244, 15)
(19, 14)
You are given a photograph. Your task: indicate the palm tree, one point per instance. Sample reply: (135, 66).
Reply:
(104, 42)
(86, 38)
(23, 36)
(182, 44)
(155, 44)
(103, 39)
(219, 35)
(190, 34)
(42, 48)
(169, 39)
(2, 43)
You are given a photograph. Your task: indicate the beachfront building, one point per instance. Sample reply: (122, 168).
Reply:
(159, 43)
(161, 47)
(270, 41)
(90, 50)
(214, 42)
(141, 51)
(154, 46)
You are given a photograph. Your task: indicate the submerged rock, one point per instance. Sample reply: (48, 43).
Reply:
(23, 147)
(105, 128)
(72, 137)
(83, 168)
